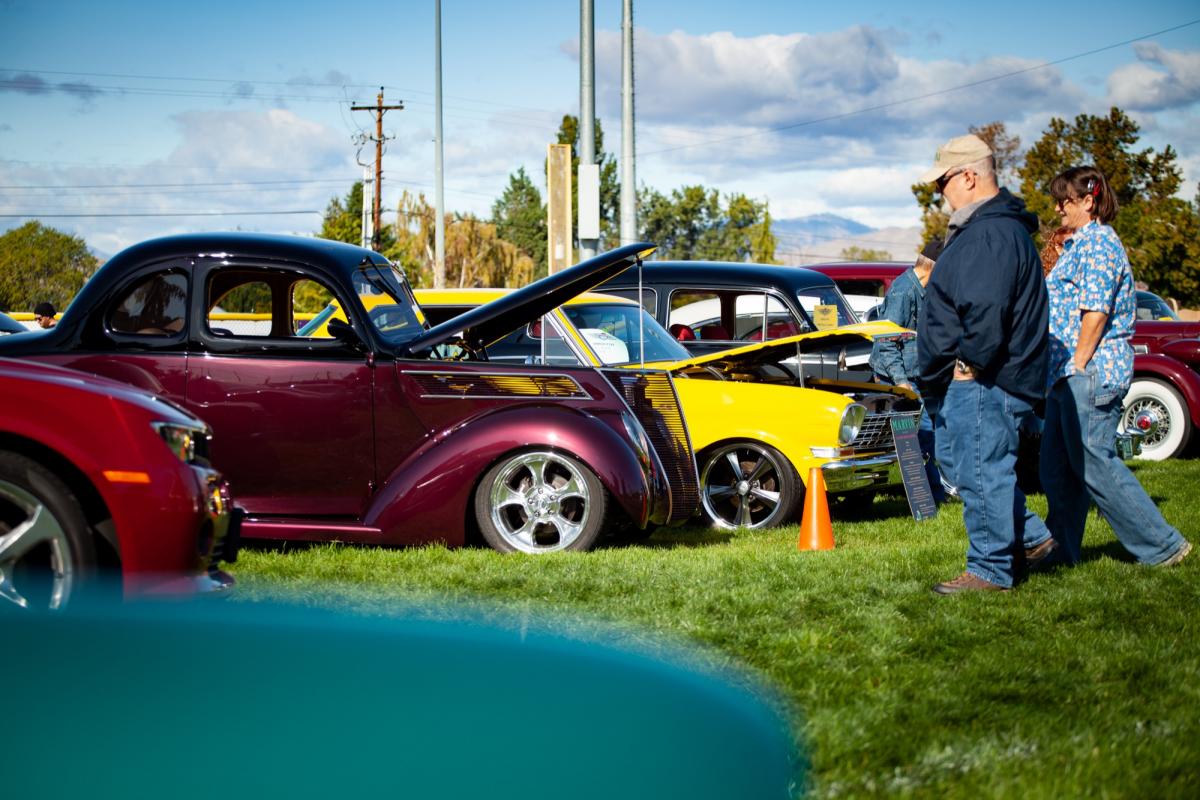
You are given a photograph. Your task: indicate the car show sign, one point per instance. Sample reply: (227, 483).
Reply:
(912, 468)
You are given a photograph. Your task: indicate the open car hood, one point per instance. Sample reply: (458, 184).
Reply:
(493, 321)
(829, 341)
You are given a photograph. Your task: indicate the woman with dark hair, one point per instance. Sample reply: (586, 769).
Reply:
(1092, 311)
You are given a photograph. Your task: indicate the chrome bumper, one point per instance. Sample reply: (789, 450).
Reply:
(864, 472)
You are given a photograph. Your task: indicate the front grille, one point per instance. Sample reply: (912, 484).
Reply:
(497, 384)
(876, 430)
(651, 396)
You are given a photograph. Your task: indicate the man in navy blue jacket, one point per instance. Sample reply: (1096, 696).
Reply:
(982, 353)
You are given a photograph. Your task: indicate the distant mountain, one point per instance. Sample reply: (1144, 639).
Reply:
(823, 224)
(823, 237)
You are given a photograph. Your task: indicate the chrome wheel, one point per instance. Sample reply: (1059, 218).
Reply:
(35, 551)
(748, 485)
(540, 502)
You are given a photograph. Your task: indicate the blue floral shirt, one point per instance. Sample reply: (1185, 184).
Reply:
(1093, 274)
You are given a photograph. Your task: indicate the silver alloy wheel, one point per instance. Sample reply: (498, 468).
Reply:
(742, 486)
(540, 502)
(35, 533)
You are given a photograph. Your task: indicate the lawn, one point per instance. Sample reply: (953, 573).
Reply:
(1081, 683)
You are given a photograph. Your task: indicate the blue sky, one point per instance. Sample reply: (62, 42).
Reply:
(177, 108)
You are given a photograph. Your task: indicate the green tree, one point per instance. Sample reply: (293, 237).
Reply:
(610, 186)
(520, 217)
(38, 264)
(693, 223)
(1159, 229)
(1006, 150)
(342, 221)
(856, 253)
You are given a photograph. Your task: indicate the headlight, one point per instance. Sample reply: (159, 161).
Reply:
(852, 420)
(637, 434)
(182, 440)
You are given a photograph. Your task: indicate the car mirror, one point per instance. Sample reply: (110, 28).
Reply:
(344, 332)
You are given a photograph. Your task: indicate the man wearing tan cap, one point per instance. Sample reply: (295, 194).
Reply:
(982, 350)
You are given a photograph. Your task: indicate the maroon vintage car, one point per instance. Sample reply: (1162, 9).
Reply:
(1163, 402)
(381, 430)
(95, 475)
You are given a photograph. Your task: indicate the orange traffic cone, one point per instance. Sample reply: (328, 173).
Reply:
(816, 532)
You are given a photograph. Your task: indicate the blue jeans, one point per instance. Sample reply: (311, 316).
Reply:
(982, 423)
(1079, 464)
(935, 444)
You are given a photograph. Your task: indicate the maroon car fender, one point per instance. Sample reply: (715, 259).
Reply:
(433, 490)
(1174, 372)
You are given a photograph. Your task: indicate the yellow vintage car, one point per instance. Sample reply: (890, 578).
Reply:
(759, 416)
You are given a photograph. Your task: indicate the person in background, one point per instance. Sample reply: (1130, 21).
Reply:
(982, 345)
(1053, 249)
(43, 315)
(895, 361)
(1092, 312)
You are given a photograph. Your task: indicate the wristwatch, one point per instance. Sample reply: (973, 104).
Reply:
(964, 368)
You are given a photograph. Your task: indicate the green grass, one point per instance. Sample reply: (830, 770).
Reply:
(1081, 683)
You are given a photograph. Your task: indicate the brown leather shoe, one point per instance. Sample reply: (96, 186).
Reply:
(968, 583)
(1038, 554)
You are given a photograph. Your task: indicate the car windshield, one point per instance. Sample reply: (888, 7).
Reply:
(612, 331)
(1151, 306)
(826, 306)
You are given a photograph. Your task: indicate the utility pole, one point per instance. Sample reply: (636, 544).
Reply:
(379, 108)
(439, 225)
(588, 182)
(629, 226)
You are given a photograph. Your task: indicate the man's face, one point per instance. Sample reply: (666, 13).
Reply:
(43, 321)
(954, 187)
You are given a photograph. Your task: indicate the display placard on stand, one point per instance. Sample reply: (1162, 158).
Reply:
(912, 468)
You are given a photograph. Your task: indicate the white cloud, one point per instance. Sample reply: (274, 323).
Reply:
(847, 83)
(1175, 83)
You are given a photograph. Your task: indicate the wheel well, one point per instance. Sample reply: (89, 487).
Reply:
(95, 511)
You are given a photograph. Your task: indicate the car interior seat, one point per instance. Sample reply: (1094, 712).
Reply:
(682, 333)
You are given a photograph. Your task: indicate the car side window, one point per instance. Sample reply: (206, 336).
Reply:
(309, 298)
(699, 310)
(649, 296)
(266, 303)
(155, 306)
(732, 315)
(244, 310)
(865, 287)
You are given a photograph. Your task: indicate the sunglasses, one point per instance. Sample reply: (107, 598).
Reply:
(941, 183)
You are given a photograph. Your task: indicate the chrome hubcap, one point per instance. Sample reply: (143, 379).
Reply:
(540, 502)
(1151, 418)
(34, 550)
(741, 487)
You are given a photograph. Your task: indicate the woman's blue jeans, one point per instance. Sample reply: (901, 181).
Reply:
(1079, 465)
(981, 426)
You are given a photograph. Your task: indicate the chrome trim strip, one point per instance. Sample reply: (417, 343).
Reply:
(581, 393)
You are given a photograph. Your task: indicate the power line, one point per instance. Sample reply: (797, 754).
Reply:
(166, 214)
(926, 96)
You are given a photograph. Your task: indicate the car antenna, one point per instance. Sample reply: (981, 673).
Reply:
(641, 317)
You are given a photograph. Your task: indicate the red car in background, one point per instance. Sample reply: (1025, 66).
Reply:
(1163, 402)
(96, 476)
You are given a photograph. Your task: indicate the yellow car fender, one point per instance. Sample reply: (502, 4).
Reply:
(788, 418)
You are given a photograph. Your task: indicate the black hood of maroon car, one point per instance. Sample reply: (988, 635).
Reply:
(493, 321)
